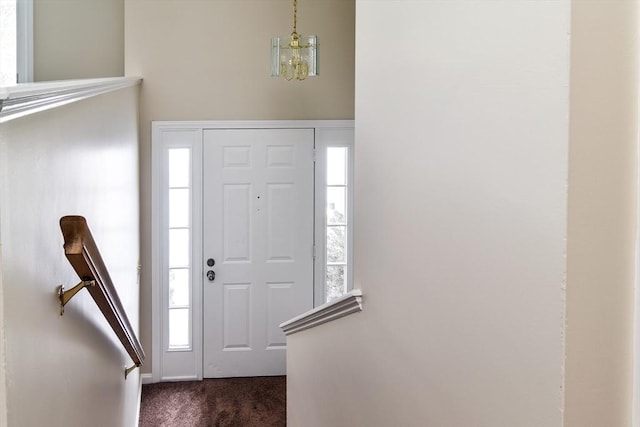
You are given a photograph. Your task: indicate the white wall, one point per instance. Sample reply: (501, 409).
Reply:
(210, 60)
(3, 356)
(78, 159)
(461, 173)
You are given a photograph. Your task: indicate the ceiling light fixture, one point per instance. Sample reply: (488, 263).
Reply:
(294, 57)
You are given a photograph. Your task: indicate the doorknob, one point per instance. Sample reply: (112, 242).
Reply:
(211, 275)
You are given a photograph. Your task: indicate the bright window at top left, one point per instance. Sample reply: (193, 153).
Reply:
(16, 42)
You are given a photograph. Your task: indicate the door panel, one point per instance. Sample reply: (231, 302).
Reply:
(236, 222)
(258, 227)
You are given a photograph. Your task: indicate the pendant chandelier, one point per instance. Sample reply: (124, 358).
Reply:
(294, 57)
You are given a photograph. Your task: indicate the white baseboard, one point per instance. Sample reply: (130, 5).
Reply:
(146, 378)
(139, 403)
(180, 378)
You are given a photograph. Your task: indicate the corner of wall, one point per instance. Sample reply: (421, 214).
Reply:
(602, 214)
(3, 365)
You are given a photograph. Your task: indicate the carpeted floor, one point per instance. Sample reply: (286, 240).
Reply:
(228, 402)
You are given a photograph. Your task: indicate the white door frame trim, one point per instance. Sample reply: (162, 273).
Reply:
(158, 317)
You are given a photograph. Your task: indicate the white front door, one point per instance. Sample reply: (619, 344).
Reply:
(258, 234)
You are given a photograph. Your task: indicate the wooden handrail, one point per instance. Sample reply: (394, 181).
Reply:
(83, 254)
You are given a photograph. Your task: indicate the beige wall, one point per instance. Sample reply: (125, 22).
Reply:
(78, 39)
(210, 60)
(184, 52)
(78, 159)
(602, 213)
(461, 172)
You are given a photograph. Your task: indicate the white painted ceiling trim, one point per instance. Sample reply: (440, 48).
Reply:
(349, 303)
(28, 98)
(253, 124)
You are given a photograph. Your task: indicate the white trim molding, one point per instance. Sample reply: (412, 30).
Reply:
(24, 39)
(28, 98)
(349, 303)
(252, 124)
(146, 378)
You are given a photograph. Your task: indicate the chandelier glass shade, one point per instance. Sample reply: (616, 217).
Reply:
(294, 57)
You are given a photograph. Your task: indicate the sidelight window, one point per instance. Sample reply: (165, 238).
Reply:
(334, 217)
(337, 223)
(179, 247)
(176, 194)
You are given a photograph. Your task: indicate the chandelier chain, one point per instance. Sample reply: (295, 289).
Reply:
(295, 15)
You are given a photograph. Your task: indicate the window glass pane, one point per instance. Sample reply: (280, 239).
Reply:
(336, 201)
(336, 284)
(179, 247)
(336, 165)
(179, 163)
(336, 244)
(179, 207)
(8, 43)
(179, 327)
(178, 287)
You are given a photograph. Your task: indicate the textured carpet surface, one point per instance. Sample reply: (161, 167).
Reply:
(244, 402)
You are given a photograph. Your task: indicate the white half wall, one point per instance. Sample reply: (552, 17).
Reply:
(78, 159)
(461, 190)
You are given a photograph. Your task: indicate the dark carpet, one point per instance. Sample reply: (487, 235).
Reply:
(228, 402)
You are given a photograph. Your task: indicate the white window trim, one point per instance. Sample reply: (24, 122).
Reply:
(331, 138)
(175, 364)
(24, 39)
